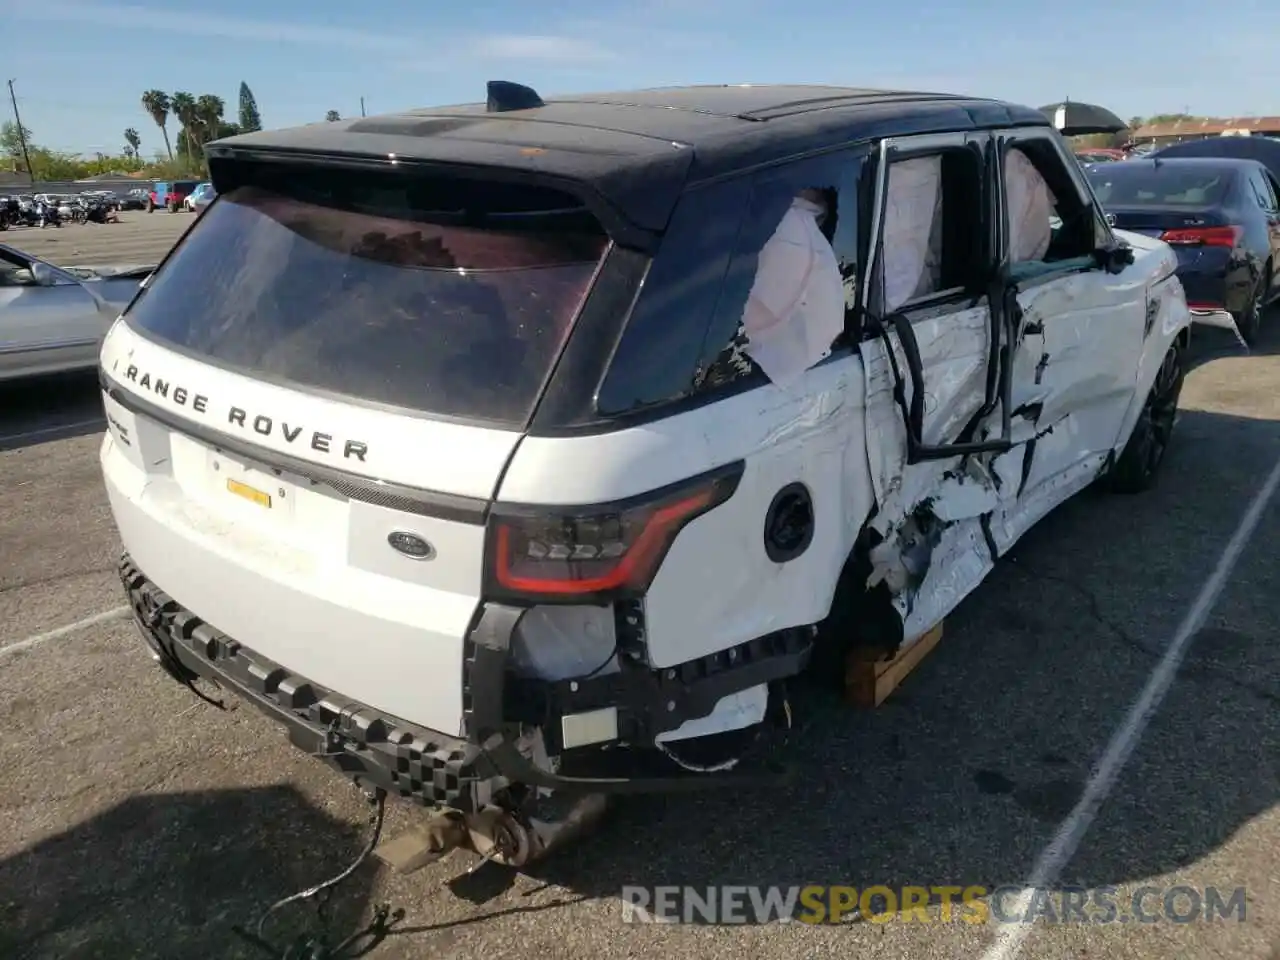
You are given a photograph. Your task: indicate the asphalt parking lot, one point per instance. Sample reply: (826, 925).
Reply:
(139, 238)
(139, 822)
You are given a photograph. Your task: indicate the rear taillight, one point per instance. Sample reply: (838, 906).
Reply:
(1203, 236)
(598, 553)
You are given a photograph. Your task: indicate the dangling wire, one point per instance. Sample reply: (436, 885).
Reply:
(314, 948)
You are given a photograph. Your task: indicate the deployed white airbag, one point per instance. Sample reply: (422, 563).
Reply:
(912, 230)
(795, 309)
(1030, 208)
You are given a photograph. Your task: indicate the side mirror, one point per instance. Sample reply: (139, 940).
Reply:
(1114, 259)
(43, 274)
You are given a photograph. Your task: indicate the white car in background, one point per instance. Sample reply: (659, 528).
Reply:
(199, 198)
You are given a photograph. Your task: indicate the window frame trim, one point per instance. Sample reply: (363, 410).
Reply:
(860, 151)
(899, 149)
(1008, 138)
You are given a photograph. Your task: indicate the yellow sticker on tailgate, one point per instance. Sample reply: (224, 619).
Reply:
(249, 493)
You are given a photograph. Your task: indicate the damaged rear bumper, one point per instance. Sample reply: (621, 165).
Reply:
(497, 753)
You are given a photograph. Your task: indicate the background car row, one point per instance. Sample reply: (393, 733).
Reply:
(1216, 201)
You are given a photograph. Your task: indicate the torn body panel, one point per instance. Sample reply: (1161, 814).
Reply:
(1083, 362)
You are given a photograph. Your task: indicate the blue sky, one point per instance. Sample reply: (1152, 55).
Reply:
(80, 66)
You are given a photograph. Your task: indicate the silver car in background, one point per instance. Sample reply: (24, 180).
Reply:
(200, 197)
(53, 319)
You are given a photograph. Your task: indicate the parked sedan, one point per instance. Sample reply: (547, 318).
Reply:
(1266, 150)
(52, 319)
(1222, 216)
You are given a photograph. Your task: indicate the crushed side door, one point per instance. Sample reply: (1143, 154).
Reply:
(1079, 329)
(938, 373)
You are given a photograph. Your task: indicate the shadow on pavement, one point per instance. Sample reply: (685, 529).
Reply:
(168, 875)
(45, 409)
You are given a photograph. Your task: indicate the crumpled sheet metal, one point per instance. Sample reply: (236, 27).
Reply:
(795, 309)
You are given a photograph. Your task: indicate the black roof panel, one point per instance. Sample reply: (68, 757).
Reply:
(637, 149)
(725, 100)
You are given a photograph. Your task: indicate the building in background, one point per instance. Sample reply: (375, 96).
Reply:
(1162, 134)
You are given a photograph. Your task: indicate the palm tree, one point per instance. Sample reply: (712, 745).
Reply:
(157, 105)
(332, 116)
(209, 110)
(184, 108)
(133, 140)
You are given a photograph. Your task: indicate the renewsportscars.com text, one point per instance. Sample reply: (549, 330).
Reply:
(929, 904)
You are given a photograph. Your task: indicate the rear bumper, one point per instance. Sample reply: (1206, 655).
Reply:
(1214, 281)
(1210, 317)
(402, 758)
(470, 772)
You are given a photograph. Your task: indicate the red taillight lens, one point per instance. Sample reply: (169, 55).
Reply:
(1203, 236)
(599, 553)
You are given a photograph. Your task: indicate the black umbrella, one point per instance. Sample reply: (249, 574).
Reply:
(1074, 119)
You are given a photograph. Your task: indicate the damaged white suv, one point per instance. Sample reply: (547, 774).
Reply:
(530, 447)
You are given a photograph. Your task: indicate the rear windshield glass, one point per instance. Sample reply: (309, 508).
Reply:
(1136, 182)
(370, 290)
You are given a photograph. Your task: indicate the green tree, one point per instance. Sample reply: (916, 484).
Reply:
(332, 116)
(250, 119)
(183, 106)
(209, 110)
(132, 142)
(157, 105)
(11, 140)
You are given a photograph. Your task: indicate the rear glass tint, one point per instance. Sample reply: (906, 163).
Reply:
(370, 288)
(685, 334)
(1123, 184)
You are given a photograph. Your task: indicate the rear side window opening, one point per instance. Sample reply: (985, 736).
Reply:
(686, 334)
(440, 296)
(1162, 184)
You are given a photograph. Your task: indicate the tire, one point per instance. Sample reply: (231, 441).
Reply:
(1138, 465)
(1249, 320)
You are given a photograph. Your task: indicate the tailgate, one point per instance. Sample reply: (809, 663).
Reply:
(275, 516)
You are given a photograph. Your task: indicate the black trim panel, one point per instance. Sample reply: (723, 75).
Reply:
(404, 759)
(427, 767)
(395, 496)
(45, 347)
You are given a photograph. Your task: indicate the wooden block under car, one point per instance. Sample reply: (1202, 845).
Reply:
(867, 681)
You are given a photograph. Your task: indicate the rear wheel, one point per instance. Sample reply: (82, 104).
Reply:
(1137, 467)
(1249, 320)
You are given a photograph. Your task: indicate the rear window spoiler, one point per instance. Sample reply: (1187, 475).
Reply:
(230, 167)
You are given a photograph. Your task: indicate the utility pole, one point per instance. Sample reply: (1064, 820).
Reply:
(361, 104)
(22, 136)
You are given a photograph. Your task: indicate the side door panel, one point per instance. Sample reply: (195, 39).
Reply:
(1080, 336)
(1272, 198)
(932, 513)
(47, 328)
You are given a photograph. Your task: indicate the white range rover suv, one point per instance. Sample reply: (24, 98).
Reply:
(530, 448)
